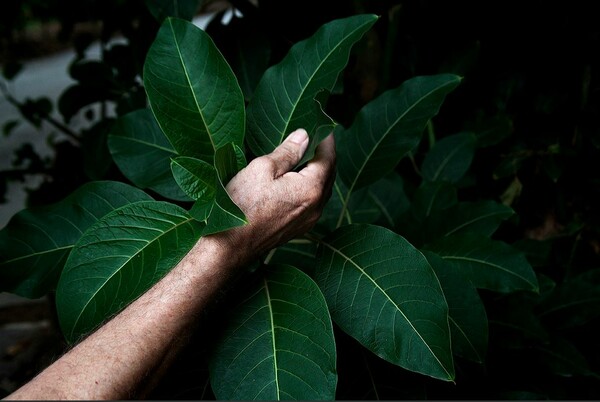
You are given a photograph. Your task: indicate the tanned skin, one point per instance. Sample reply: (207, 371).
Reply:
(128, 351)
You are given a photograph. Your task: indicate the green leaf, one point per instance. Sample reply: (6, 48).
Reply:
(383, 292)
(161, 9)
(192, 91)
(196, 178)
(483, 217)
(382, 203)
(302, 252)
(468, 318)
(562, 358)
(213, 205)
(450, 158)
(229, 159)
(35, 243)
(431, 197)
(362, 208)
(488, 264)
(284, 99)
(119, 258)
(388, 127)
(143, 153)
(574, 302)
(389, 196)
(224, 213)
(278, 343)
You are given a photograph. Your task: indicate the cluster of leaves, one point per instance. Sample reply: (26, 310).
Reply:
(434, 260)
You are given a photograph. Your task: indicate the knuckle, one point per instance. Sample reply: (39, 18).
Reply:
(264, 163)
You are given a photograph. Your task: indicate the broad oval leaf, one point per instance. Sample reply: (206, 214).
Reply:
(192, 91)
(302, 252)
(284, 99)
(468, 318)
(429, 199)
(488, 264)
(196, 178)
(383, 292)
(143, 153)
(573, 303)
(224, 214)
(119, 258)
(213, 205)
(278, 343)
(450, 158)
(229, 159)
(35, 243)
(388, 127)
(482, 217)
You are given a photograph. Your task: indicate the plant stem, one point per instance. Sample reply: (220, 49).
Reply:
(430, 134)
(344, 205)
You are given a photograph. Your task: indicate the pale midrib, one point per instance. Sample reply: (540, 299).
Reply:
(121, 267)
(36, 254)
(335, 250)
(483, 262)
(446, 160)
(571, 304)
(272, 339)
(295, 104)
(377, 143)
(187, 77)
(469, 222)
(458, 328)
(149, 144)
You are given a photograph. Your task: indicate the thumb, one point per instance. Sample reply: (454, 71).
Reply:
(289, 152)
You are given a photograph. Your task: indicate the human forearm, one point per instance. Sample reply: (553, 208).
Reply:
(113, 362)
(279, 204)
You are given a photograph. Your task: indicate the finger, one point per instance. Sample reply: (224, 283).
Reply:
(322, 165)
(287, 155)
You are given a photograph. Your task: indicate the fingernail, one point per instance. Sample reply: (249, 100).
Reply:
(299, 136)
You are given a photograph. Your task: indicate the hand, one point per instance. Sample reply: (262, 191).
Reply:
(281, 204)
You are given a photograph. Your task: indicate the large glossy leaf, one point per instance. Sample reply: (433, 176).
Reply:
(192, 91)
(143, 153)
(382, 202)
(383, 292)
(450, 158)
(196, 178)
(388, 127)
(389, 196)
(429, 199)
(213, 205)
(574, 302)
(229, 159)
(488, 264)
(224, 214)
(468, 318)
(302, 252)
(284, 99)
(35, 243)
(278, 343)
(483, 217)
(119, 258)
